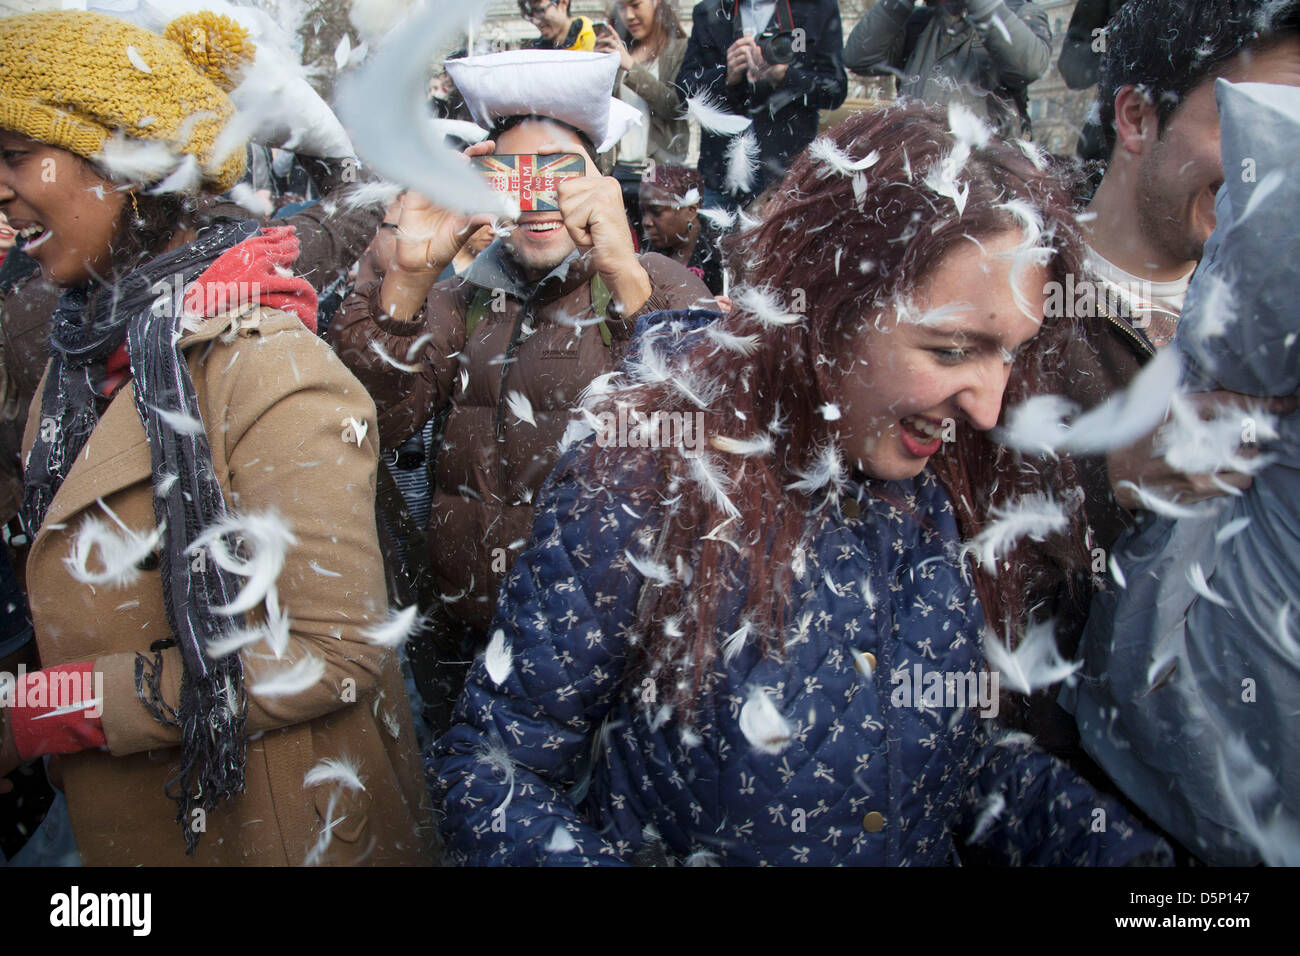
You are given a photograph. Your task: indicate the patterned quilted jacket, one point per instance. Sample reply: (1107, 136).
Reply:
(565, 763)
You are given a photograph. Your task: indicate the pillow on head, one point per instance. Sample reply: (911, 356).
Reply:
(570, 86)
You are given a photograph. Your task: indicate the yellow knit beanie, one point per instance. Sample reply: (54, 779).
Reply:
(71, 79)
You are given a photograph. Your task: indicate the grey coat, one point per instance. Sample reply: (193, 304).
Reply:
(1190, 705)
(985, 58)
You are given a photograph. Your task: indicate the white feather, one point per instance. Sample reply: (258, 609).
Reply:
(234, 640)
(137, 60)
(765, 307)
(135, 160)
(342, 52)
(967, 128)
(1153, 502)
(521, 407)
(827, 470)
(740, 344)
(720, 217)
(735, 642)
(249, 198)
(1231, 530)
(317, 851)
(825, 150)
(1034, 664)
(378, 349)
(119, 553)
(650, 569)
(991, 810)
(186, 178)
(340, 770)
(1119, 421)
(1033, 516)
(400, 625)
(1196, 577)
(760, 444)
(498, 658)
(179, 422)
(266, 540)
(384, 106)
(742, 163)
(831, 412)
(368, 195)
(1117, 572)
(705, 470)
(706, 111)
(462, 130)
(763, 725)
(561, 841)
(303, 675)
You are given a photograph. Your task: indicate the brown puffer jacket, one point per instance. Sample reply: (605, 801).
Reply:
(541, 341)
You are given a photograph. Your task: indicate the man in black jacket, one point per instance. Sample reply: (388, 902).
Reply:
(725, 60)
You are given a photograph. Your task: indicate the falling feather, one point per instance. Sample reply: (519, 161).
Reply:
(342, 52)
(1117, 573)
(967, 128)
(186, 178)
(137, 60)
(721, 218)
(340, 770)
(706, 111)
(742, 163)
(650, 569)
(91, 704)
(827, 470)
(135, 161)
(462, 130)
(1037, 425)
(249, 198)
(831, 412)
(824, 150)
(735, 642)
(287, 681)
(498, 659)
(1245, 782)
(384, 106)
(990, 811)
(317, 851)
(266, 540)
(561, 841)
(1032, 516)
(765, 307)
(220, 647)
(760, 444)
(1153, 502)
(377, 347)
(371, 195)
(1231, 530)
(399, 626)
(705, 471)
(521, 407)
(763, 725)
(1196, 577)
(1036, 663)
(120, 554)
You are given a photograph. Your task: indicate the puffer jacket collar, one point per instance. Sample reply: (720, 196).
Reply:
(494, 268)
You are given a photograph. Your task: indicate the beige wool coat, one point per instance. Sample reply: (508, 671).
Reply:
(276, 404)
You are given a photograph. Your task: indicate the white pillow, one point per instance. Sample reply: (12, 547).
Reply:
(572, 86)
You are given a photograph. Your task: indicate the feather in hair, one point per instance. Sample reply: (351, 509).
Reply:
(826, 151)
(740, 344)
(653, 571)
(760, 444)
(706, 471)
(827, 470)
(765, 307)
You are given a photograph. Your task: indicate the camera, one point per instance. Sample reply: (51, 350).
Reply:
(776, 45)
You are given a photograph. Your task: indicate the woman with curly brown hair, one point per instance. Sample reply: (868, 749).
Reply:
(744, 631)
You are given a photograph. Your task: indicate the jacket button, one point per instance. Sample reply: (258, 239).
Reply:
(873, 822)
(149, 562)
(850, 507)
(866, 663)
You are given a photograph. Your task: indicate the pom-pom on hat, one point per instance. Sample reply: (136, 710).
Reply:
(74, 79)
(570, 86)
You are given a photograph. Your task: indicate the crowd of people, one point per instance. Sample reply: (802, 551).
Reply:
(886, 493)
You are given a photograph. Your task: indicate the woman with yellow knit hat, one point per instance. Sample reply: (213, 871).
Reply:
(204, 575)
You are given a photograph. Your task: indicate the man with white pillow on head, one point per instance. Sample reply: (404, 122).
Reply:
(507, 347)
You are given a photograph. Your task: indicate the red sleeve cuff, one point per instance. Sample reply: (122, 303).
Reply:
(58, 710)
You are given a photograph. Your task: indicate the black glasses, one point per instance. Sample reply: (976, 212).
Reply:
(538, 10)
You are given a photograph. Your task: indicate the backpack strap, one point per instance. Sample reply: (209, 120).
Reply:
(600, 296)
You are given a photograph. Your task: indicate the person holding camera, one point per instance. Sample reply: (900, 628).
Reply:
(984, 53)
(506, 348)
(777, 63)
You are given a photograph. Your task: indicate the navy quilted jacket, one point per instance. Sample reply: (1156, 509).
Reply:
(564, 763)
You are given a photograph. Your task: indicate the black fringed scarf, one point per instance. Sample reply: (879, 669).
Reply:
(89, 325)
